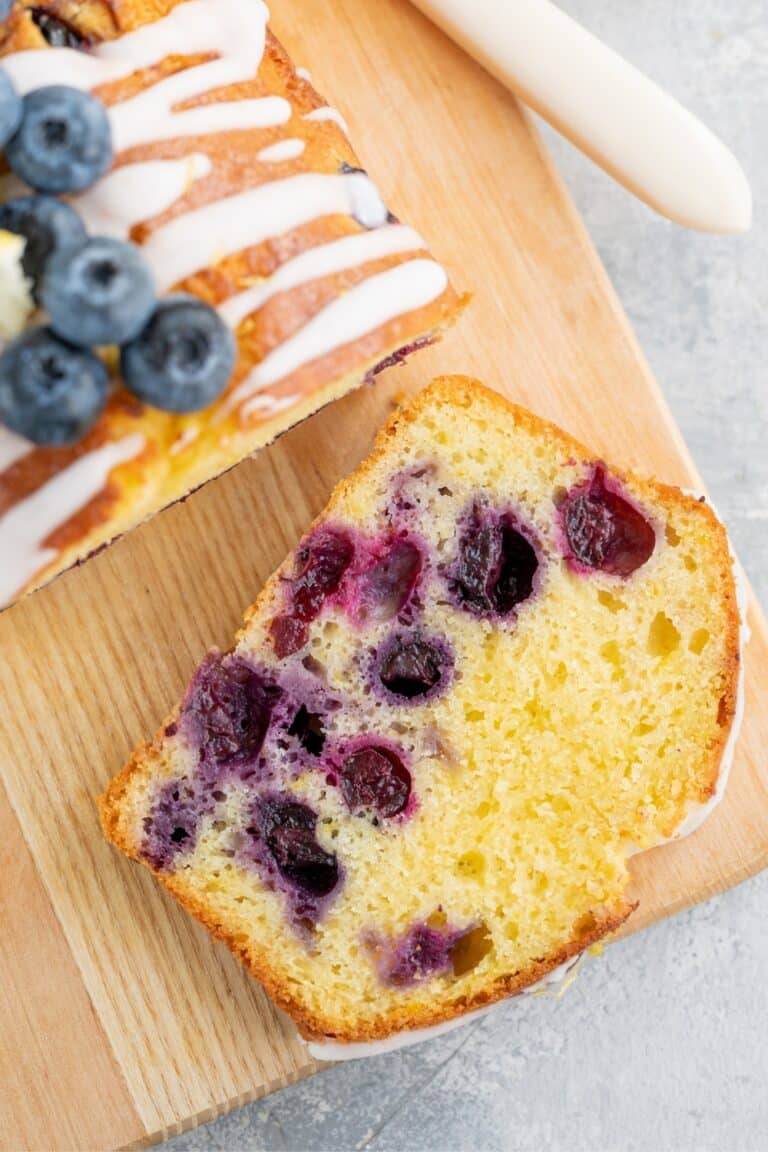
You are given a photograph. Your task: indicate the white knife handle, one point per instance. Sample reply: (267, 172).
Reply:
(605, 106)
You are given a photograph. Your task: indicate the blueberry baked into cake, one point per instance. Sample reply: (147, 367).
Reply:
(493, 669)
(191, 261)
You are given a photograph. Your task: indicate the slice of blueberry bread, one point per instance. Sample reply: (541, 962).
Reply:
(493, 669)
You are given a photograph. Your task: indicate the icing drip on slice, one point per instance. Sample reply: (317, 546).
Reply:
(140, 121)
(266, 406)
(233, 29)
(361, 310)
(328, 113)
(206, 235)
(26, 526)
(138, 192)
(284, 150)
(324, 260)
(12, 448)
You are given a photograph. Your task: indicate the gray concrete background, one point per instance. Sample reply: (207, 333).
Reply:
(662, 1043)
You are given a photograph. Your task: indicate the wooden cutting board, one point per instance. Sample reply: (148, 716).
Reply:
(120, 1022)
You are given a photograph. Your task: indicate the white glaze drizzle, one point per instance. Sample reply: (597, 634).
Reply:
(207, 235)
(12, 448)
(284, 150)
(303, 74)
(328, 113)
(133, 122)
(185, 438)
(361, 310)
(323, 260)
(138, 192)
(234, 30)
(264, 405)
(27, 524)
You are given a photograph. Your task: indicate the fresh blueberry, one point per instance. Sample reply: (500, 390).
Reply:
(183, 359)
(50, 392)
(64, 142)
(102, 293)
(10, 105)
(47, 225)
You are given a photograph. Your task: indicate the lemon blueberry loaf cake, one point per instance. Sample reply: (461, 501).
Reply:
(156, 147)
(493, 669)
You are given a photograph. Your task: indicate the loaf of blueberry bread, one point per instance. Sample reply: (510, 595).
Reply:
(157, 150)
(493, 669)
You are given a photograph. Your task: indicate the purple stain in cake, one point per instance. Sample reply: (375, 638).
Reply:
(226, 713)
(171, 828)
(225, 716)
(496, 564)
(373, 778)
(302, 722)
(372, 579)
(321, 562)
(421, 953)
(603, 531)
(289, 635)
(309, 729)
(386, 583)
(412, 667)
(398, 358)
(405, 489)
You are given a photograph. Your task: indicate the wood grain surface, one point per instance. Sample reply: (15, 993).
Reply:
(120, 1021)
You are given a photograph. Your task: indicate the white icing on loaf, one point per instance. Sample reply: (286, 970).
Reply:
(364, 308)
(328, 113)
(284, 150)
(12, 448)
(25, 527)
(324, 260)
(138, 192)
(204, 236)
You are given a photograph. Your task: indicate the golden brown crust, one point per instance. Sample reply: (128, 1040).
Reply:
(462, 391)
(182, 452)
